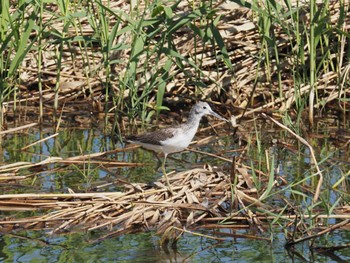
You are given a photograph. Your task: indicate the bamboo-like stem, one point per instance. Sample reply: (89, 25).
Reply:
(18, 128)
(312, 49)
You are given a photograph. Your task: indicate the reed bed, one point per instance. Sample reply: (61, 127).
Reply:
(248, 193)
(205, 198)
(135, 60)
(132, 61)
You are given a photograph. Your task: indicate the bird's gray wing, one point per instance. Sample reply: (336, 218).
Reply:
(155, 137)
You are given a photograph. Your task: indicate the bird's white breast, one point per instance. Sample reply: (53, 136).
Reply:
(180, 140)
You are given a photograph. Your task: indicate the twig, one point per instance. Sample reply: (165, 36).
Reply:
(303, 141)
(198, 234)
(210, 154)
(339, 225)
(18, 128)
(39, 141)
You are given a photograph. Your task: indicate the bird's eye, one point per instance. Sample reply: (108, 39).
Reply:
(204, 107)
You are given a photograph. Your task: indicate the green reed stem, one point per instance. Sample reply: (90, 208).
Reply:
(312, 61)
(41, 112)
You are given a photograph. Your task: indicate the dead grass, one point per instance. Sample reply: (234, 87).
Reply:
(239, 30)
(205, 198)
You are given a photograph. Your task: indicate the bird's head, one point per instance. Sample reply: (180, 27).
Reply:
(202, 108)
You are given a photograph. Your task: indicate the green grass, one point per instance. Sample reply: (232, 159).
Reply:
(136, 57)
(305, 35)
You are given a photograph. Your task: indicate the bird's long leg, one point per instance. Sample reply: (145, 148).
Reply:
(160, 161)
(165, 175)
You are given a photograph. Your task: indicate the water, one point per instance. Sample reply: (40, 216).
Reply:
(33, 246)
(76, 246)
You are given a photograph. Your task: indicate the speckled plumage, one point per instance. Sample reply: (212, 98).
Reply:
(154, 137)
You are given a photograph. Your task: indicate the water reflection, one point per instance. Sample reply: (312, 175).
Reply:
(144, 247)
(25, 246)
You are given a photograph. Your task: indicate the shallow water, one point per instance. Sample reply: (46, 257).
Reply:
(33, 246)
(39, 246)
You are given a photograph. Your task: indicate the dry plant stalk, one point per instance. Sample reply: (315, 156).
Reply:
(303, 141)
(239, 30)
(205, 197)
(200, 194)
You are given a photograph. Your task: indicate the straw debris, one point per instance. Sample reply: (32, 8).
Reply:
(240, 33)
(206, 198)
(200, 194)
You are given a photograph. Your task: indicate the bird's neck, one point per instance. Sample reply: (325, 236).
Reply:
(193, 119)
